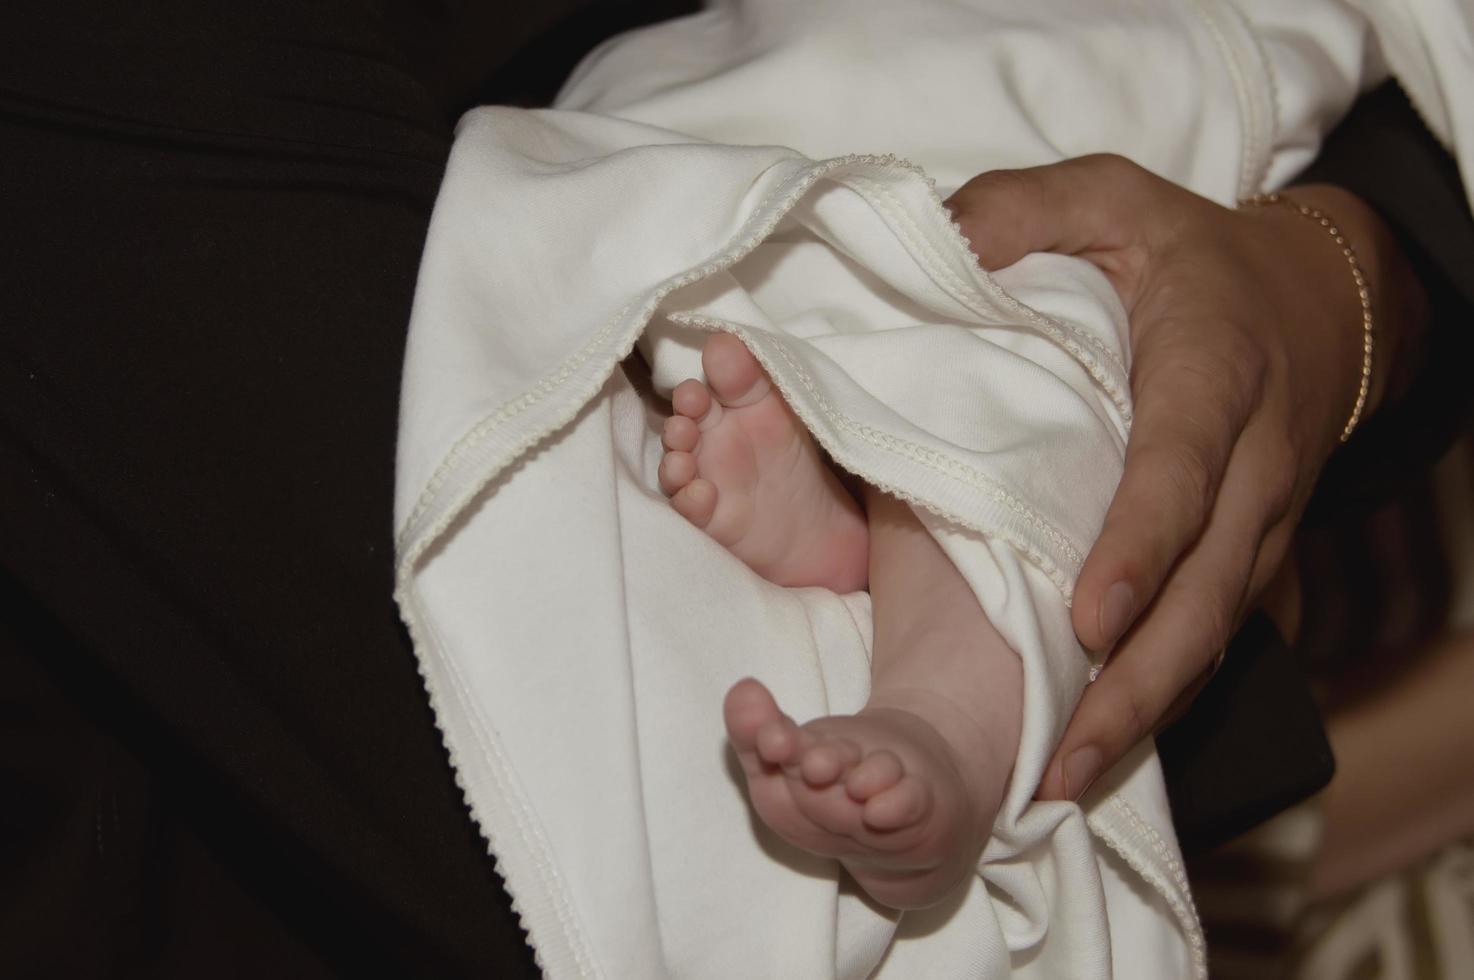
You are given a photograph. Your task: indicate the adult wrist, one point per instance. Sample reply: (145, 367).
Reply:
(1398, 301)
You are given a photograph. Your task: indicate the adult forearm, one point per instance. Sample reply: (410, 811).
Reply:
(1398, 301)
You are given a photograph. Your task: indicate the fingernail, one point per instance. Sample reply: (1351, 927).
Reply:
(1080, 770)
(1116, 610)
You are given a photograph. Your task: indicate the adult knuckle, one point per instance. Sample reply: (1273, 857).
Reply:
(997, 194)
(1202, 366)
(1218, 614)
(1277, 479)
(1006, 182)
(1244, 359)
(1135, 719)
(1275, 361)
(1229, 374)
(1115, 167)
(1188, 479)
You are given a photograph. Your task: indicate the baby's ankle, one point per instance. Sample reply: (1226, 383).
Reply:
(977, 741)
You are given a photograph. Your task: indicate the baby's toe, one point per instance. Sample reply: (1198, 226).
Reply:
(735, 376)
(677, 470)
(778, 741)
(691, 399)
(902, 805)
(681, 434)
(827, 760)
(878, 771)
(748, 707)
(696, 501)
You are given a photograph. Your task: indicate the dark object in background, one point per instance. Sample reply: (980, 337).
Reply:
(1251, 745)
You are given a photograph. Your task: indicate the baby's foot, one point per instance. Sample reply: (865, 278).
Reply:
(882, 791)
(740, 466)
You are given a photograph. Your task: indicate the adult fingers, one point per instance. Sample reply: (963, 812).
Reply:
(1090, 203)
(1283, 610)
(1192, 404)
(1173, 645)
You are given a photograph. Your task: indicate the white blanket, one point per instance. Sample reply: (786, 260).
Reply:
(576, 636)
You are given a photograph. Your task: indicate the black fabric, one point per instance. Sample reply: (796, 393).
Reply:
(1251, 745)
(216, 757)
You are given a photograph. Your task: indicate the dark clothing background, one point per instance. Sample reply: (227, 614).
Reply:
(216, 757)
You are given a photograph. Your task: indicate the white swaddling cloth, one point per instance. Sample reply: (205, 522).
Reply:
(577, 636)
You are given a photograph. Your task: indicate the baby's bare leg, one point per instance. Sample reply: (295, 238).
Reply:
(937, 655)
(904, 793)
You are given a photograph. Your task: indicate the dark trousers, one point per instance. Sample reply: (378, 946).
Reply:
(217, 755)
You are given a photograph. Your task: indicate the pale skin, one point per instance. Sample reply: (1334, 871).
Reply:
(903, 793)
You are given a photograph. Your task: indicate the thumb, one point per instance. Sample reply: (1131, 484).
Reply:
(1089, 204)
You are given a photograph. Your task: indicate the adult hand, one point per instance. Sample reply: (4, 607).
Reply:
(1246, 359)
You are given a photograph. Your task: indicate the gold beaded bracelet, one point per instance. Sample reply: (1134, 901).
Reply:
(1362, 292)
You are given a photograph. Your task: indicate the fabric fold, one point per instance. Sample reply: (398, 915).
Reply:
(667, 620)
(733, 171)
